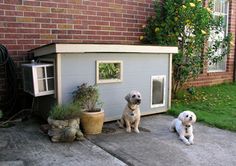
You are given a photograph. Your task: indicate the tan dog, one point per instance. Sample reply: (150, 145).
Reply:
(131, 114)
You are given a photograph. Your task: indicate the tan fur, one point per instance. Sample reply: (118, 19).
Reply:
(131, 114)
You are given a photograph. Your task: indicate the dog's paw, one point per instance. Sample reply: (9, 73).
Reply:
(191, 142)
(187, 143)
(128, 130)
(136, 130)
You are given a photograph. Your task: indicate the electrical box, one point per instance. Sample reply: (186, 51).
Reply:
(38, 78)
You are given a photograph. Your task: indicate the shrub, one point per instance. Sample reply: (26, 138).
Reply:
(189, 25)
(65, 112)
(87, 96)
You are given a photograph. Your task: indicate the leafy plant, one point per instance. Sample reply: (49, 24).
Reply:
(0, 114)
(63, 112)
(109, 70)
(87, 96)
(192, 27)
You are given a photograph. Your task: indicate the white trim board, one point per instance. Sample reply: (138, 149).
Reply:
(101, 48)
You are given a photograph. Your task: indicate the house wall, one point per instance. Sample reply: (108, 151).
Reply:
(137, 71)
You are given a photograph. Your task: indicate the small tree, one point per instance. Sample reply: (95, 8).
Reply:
(188, 25)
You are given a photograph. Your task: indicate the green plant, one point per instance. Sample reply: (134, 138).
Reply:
(65, 112)
(87, 96)
(192, 27)
(109, 70)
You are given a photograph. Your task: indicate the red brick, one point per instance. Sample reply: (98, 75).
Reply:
(31, 3)
(49, 26)
(14, 2)
(48, 4)
(31, 36)
(8, 41)
(31, 14)
(13, 13)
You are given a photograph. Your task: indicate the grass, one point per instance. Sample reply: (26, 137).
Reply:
(215, 105)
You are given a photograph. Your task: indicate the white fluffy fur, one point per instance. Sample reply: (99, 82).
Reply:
(183, 126)
(131, 114)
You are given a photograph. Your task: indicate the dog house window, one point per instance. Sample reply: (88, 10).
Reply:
(109, 71)
(158, 91)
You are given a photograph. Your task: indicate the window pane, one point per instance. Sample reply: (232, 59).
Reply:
(51, 84)
(40, 72)
(50, 71)
(158, 90)
(42, 85)
(109, 71)
(220, 9)
(217, 6)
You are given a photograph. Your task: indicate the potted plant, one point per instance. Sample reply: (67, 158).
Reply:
(64, 122)
(92, 117)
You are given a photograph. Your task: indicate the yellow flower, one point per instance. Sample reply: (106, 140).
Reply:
(192, 4)
(184, 6)
(232, 43)
(208, 9)
(157, 29)
(199, 0)
(203, 32)
(188, 21)
(141, 37)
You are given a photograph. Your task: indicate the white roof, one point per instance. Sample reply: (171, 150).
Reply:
(101, 48)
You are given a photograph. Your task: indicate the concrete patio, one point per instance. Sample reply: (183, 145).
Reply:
(25, 144)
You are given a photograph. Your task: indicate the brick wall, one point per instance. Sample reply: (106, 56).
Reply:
(26, 24)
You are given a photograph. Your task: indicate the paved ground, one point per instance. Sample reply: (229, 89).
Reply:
(24, 144)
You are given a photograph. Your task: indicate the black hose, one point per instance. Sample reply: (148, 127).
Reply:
(7, 104)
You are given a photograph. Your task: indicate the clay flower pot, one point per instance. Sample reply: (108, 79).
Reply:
(92, 122)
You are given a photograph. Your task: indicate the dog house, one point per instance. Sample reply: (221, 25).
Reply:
(115, 69)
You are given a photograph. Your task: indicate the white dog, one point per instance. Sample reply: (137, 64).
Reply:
(183, 126)
(131, 114)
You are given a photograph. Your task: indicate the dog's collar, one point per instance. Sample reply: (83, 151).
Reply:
(186, 128)
(132, 109)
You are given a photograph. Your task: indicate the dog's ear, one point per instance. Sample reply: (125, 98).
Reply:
(181, 116)
(127, 97)
(194, 117)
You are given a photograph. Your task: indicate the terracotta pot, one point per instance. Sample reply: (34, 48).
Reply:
(92, 122)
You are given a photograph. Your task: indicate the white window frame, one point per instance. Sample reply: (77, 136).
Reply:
(164, 90)
(99, 81)
(216, 66)
(34, 67)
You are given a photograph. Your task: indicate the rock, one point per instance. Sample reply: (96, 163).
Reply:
(65, 130)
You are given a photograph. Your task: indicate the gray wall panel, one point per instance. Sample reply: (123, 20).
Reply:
(137, 72)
